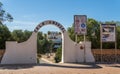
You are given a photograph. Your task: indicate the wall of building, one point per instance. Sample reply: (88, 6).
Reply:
(55, 37)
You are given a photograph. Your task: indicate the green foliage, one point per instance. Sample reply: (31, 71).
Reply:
(93, 34)
(4, 31)
(40, 35)
(4, 16)
(118, 37)
(44, 46)
(4, 35)
(58, 55)
(26, 35)
(17, 35)
(20, 36)
(71, 32)
(38, 61)
(92, 28)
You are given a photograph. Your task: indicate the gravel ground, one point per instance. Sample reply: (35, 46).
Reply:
(61, 69)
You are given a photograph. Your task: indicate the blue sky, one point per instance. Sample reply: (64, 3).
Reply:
(29, 13)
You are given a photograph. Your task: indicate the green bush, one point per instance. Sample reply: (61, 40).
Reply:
(38, 60)
(58, 55)
(39, 55)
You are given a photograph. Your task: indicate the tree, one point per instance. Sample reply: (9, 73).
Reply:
(71, 32)
(58, 55)
(4, 31)
(26, 35)
(4, 35)
(21, 36)
(118, 37)
(93, 33)
(4, 16)
(43, 44)
(18, 35)
(50, 46)
(40, 35)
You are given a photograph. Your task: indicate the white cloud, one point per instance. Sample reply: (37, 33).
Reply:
(24, 22)
(23, 25)
(28, 16)
(29, 25)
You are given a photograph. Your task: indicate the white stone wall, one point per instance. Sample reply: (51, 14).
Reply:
(25, 52)
(21, 53)
(72, 53)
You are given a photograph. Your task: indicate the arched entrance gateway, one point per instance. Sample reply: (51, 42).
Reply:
(25, 52)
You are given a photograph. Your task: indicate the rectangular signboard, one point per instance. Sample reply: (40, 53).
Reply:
(80, 24)
(108, 32)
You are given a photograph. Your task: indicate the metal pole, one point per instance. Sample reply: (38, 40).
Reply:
(84, 49)
(101, 43)
(115, 52)
(101, 51)
(115, 46)
(76, 48)
(76, 38)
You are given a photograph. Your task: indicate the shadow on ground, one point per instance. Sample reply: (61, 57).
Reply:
(114, 65)
(26, 66)
(17, 66)
(77, 66)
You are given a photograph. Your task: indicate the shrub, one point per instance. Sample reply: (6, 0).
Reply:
(58, 55)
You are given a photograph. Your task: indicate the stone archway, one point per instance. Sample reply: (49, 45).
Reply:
(58, 25)
(48, 22)
(26, 52)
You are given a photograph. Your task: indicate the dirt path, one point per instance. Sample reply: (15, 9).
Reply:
(61, 69)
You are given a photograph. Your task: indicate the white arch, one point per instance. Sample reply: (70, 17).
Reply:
(67, 43)
(70, 50)
(26, 52)
(47, 22)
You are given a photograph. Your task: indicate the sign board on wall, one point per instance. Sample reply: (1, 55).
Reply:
(108, 32)
(80, 24)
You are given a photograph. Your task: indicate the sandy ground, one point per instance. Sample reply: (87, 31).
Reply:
(61, 69)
